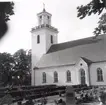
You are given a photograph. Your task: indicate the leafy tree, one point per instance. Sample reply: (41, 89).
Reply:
(101, 29)
(6, 66)
(15, 69)
(6, 10)
(95, 6)
(22, 66)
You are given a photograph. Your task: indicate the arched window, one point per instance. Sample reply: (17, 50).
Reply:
(99, 74)
(38, 39)
(82, 73)
(51, 39)
(55, 76)
(82, 76)
(48, 17)
(68, 74)
(44, 77)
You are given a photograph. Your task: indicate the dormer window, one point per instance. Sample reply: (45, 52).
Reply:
(38, 39)
(51, 39)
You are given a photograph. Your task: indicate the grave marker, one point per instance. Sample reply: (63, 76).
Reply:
(70, 96)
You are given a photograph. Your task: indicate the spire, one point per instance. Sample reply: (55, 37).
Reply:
(44, 7)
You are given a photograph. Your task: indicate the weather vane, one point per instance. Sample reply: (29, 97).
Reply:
(43, 6)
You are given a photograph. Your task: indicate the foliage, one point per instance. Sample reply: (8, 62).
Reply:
(6, 10)
(15, 69)
(95, 6)
(101, 29)
(6, 65)
(22, 66)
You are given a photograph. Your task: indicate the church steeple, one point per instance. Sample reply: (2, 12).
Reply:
(43, 36)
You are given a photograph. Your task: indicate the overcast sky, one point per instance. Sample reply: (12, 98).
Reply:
(64, 17)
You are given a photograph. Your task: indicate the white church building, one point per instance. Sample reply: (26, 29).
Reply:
(75, 62)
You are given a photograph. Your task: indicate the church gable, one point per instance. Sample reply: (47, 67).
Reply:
(82, 71)
(81, 63)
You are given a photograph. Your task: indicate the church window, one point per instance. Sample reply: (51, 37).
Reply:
(38, 39)
(82, 73)
(68, 74)
(48, 17)
(40, 17)
(82, 76)
(44, 77)
(55, 76)
(51, 39)
(99, 74)
(81, 64)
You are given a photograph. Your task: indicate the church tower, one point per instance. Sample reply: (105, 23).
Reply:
(43, 36)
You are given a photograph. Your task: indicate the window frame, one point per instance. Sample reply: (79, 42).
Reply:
(48, 17)
(55, 77)
(68, 76)
(51, 38)
(44, 77)
(99, 75)
(40, 17)
(38, 39)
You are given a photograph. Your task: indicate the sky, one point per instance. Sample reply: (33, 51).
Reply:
(64, 18)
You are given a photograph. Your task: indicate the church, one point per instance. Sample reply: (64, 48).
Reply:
(75, 62)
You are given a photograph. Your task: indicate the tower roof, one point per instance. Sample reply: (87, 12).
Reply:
(44, 12)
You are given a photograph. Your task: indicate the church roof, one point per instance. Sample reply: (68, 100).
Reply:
(70, 44)
(89, 49)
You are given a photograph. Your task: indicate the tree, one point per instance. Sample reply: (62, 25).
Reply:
(101, 29)
(22, 66)
(95, 6)
(6, 10)
(6, 66)
(15, 69)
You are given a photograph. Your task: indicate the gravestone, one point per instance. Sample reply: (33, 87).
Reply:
(103, 98)
(70, 96)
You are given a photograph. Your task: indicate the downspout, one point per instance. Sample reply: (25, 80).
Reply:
(34, 77)
(89, 74)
